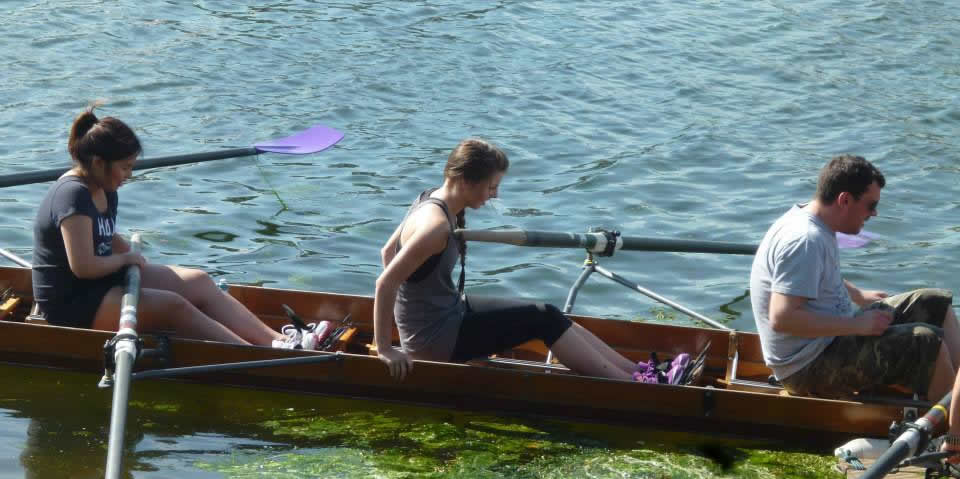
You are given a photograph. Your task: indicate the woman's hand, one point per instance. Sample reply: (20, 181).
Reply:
(398, 362)
(135, 258)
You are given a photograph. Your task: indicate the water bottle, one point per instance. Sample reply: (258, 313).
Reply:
(862, 448)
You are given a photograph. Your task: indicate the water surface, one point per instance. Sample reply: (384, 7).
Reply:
(696, 120)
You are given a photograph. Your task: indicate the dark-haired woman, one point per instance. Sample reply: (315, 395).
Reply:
(435, 321)
(79, 258)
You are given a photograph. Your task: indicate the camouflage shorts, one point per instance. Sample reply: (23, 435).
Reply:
(905, 354)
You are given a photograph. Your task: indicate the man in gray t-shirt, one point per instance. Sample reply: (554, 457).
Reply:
(811, 337)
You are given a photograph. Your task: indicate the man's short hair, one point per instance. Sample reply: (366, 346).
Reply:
(849, 173)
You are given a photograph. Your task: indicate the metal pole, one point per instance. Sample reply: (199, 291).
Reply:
(640, 289)
(588, 267)
(16, 259)
(217, 368)
(125, 355)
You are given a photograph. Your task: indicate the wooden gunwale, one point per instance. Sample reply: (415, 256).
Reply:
(516, 390)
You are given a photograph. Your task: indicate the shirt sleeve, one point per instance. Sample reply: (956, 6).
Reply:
(71, 198)
(798, 269)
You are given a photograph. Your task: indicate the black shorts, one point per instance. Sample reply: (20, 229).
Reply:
(491, 327)
(81, 305)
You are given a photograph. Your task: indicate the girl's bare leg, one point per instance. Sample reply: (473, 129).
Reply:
(161, 310)
(576, 353)
(199, 289)
(604, 349)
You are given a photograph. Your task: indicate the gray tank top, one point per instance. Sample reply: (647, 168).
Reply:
(429, 308)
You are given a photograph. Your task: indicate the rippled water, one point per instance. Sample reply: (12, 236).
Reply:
(698, 120)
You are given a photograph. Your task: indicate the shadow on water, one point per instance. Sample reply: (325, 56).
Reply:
(198, 431)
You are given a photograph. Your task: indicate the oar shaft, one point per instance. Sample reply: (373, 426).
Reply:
(597, 242)
(118, 411)
(52, 174)
(125, 354)
(223, 367)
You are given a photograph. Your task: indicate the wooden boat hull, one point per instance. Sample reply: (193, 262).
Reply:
(714, 407)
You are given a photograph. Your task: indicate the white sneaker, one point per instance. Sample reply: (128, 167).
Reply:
(292, 338)
(310, 340)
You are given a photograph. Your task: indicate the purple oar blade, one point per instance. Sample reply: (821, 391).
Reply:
(312, 140)
(854, 241)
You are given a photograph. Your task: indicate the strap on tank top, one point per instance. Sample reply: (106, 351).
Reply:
(430, 264)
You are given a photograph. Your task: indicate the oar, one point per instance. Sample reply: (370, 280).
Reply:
(312, 140)
(916, 435)
(125, 353)
(599, 242)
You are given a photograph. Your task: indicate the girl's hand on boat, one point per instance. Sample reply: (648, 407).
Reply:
(875, 321)
(398, 362)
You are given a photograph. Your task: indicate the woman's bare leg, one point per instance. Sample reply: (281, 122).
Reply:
(161, 310)
(604, 349)
(199, 289)
(576, 353)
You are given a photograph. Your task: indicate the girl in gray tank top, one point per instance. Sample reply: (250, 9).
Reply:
(436, 321)
(429, 308)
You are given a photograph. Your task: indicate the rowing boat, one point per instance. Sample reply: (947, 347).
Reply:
(732, 396)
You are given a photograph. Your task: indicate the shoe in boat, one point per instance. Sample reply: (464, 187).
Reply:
(646, 372)
(305, 334)
(677, 368)
(292, 338)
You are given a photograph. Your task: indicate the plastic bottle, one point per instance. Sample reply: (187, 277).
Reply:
(862, 448)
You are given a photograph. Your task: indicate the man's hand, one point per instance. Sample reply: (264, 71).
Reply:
(874, 321)
(398, 362)
(873, 296)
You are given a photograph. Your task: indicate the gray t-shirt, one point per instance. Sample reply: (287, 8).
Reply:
(797, 257)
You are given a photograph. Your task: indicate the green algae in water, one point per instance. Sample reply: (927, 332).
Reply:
(248, 433)
(394, 444)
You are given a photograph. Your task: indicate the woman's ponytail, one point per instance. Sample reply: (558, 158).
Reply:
(106, 138)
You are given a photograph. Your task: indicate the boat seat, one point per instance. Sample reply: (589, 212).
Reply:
(36, 320)
(35, 317)
(495, 361)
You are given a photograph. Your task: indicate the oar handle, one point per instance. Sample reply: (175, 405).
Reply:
(598, 242)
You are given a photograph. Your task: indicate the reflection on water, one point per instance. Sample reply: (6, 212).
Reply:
(196, 431)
